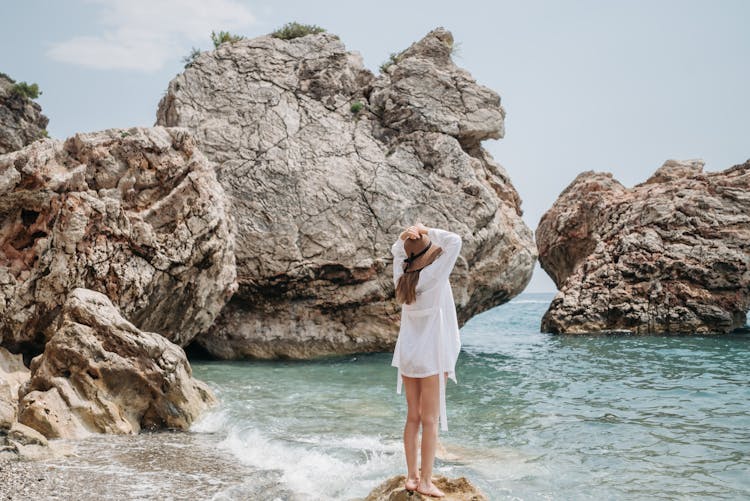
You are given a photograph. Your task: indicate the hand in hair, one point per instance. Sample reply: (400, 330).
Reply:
(413, 232)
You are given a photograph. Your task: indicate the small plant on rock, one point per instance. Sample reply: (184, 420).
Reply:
(30, 91)
(296, 30)
(224, 36)
(190, 58)
(392, 59)
(356, 107)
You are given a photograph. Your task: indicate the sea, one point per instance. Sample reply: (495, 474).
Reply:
(533, 417)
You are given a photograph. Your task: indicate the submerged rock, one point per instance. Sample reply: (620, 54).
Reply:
(136, 214)
(456, 489)
(21, 119)
(670, 255)
(100, 374)
(324, 165)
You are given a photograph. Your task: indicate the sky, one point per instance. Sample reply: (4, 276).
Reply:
(615, 86)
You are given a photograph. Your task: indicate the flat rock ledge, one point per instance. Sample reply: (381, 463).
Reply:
(455, 489)
(324, 164)
(668, 256)
(100, 374)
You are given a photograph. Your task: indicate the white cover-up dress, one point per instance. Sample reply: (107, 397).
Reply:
(428, 340)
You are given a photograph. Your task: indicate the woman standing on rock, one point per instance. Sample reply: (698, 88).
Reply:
(428, 341)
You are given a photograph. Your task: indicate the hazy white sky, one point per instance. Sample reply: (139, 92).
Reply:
(616, 86)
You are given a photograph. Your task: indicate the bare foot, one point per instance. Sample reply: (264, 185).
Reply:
(411, 484)
(430, 490)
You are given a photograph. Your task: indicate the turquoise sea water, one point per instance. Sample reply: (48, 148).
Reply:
(533, 416)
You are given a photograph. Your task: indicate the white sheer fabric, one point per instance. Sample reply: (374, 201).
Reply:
(429, 341)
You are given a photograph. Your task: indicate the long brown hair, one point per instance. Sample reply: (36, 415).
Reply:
(406, 289)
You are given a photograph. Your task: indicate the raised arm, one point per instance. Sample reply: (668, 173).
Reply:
(399, 254)
(451, 244)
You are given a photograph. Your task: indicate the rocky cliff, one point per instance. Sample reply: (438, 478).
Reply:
(21, 119)
(670, 255)
(136, 214)
(324, 164)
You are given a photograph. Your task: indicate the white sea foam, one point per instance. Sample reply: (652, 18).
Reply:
(211, 422)
(313, 471)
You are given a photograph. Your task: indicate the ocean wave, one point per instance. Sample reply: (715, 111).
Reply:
(317, 471)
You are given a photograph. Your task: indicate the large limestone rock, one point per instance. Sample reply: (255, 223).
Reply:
(324, 165)
(455, 489)
(101, 374)
(136, 214)
(669, 255)
(21, 119)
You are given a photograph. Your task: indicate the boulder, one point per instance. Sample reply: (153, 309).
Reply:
(101, 374)
(324, 164)
(21, 119)
(136, 214)
(13, 374)
(669, 255)
(456, 489)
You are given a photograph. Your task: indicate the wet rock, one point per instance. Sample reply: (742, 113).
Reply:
(101, 374)
(669, 255)
(21, 119)
(457, 489)
(136, 214)
(324, 165)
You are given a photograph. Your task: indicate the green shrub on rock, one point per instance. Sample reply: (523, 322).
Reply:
(296, 30)
(224, 36)
(30, 91)
(190, 58)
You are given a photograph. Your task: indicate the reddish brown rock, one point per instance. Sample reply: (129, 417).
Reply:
(136, 214)
(670, 255)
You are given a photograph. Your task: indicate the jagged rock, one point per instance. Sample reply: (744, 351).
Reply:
(136, 214)
(670, 255)
(13, 374)
(456, 489)
(324, 165)
(21, 119)
(100, 374)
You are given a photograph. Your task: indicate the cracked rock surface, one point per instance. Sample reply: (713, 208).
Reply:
(324, 164)
(670, 255)
(101, 374)
(21, 119)
(136, 214)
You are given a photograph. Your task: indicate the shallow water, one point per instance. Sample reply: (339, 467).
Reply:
(533, 416)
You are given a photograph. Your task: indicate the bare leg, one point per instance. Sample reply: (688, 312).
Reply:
(411, 429)
(429, 413)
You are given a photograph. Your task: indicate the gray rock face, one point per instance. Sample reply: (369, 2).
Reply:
(136, 214)
(100, 374)
(670, 255)
(324, 165)
(21, 119)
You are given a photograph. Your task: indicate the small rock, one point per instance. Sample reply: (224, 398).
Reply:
(456, 489)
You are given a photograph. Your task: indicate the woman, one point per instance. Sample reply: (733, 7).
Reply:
(428, 341)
